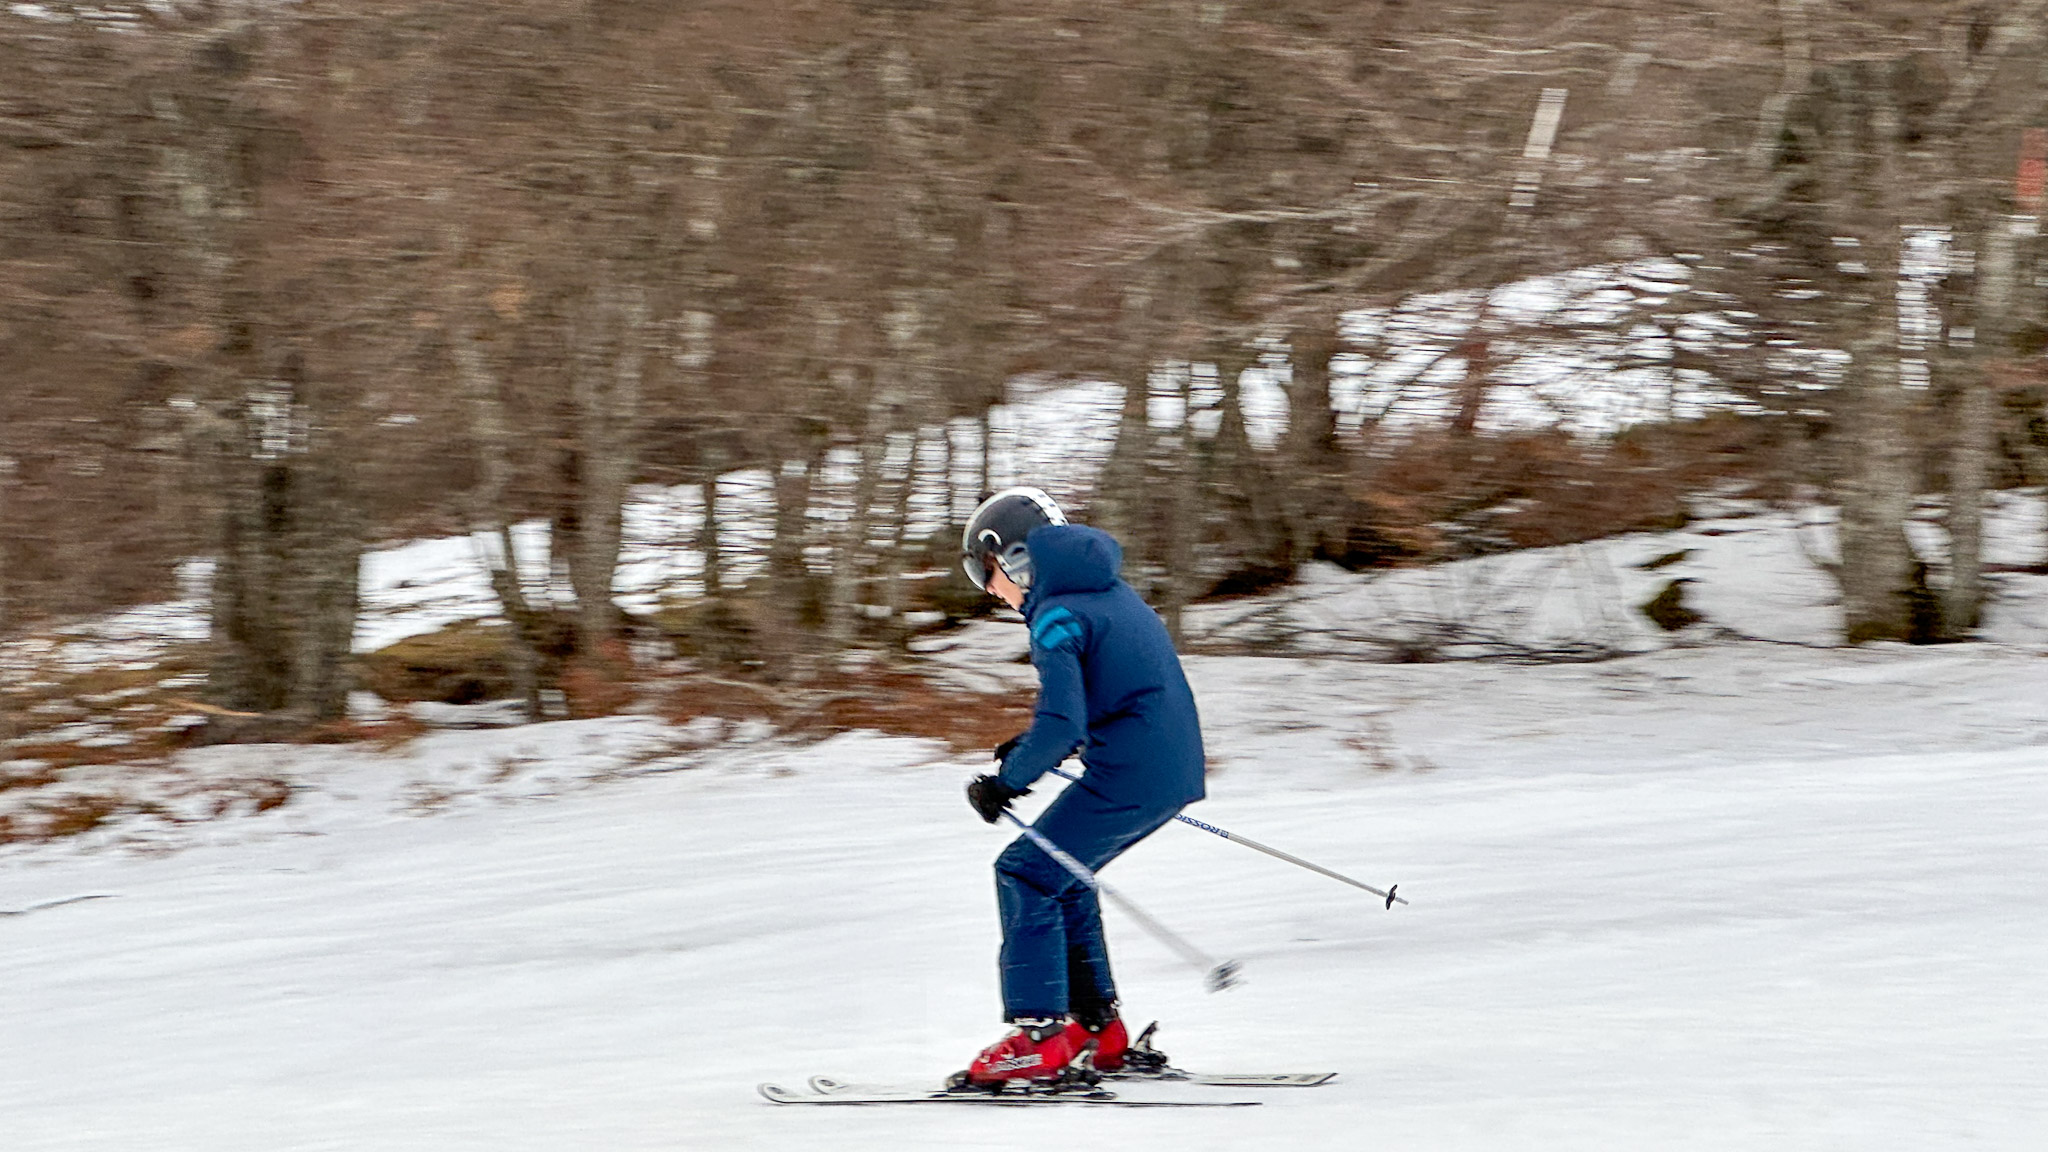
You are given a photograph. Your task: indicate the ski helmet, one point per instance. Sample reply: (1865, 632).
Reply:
(995, 534)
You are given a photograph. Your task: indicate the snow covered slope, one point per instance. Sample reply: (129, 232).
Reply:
(1729, 897)
(1717, 895)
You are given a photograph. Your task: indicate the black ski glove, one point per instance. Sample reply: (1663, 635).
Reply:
(1004, 749)
(990, 796)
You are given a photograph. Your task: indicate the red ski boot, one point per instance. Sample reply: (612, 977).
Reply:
(1115, 1051)
(1036, 1050)
(1111, 1041)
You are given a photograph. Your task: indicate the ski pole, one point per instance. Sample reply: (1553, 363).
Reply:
(1216, 976)
(1274, 852)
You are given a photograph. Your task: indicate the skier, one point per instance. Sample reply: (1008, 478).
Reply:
(1111, 688)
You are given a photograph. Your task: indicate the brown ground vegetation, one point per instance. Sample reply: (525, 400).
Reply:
(899, 702)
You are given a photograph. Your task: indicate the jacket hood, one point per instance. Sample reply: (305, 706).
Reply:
(1072, 558)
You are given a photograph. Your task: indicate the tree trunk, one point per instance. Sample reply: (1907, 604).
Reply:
(1860, 155)
(707, 536)
(1968, 470)
(1309, 483)
(789, 577)
(951, 520)
(1876, 494)
(330, 556)
(1182, 511)
(285, 581)
(1237, 490)
(605, 382)
(987, 451)
(1477, 349)
(899, 542)
(1969, 462)
(1118, 506)
(850, 558)
(490, 526)
(7, 467)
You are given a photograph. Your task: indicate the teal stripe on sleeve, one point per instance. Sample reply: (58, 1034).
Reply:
(1064, 636)
(1056, 629)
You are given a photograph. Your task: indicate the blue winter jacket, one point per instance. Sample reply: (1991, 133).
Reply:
(1109, 683)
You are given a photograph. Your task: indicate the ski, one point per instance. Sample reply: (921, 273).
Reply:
(1225, 1079)
(1146, 1080)
(1143, 1061)
(829, 1091)
(1167, 1075)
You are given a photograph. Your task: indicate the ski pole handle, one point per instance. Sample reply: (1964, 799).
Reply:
(1216, 976)
(1387, 895)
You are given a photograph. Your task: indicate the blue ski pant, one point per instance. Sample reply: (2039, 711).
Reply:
(1054, 958)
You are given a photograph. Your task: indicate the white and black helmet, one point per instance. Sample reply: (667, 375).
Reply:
(995, 534)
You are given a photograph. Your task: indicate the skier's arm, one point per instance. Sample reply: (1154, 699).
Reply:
(1062, 719)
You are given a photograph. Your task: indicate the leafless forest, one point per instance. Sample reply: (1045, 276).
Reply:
(280, 281)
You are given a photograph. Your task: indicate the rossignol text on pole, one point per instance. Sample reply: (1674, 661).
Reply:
(1216, 976)
(1388, 895)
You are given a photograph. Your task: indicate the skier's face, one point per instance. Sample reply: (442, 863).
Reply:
(1004, 588)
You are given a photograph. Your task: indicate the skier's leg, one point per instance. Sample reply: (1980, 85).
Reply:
(1094, 831)
(1091, 992)
(1041, 924)
(1028, 889)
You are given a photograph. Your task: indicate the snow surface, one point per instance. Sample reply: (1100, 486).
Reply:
(1720, 894)
(1719, 898)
